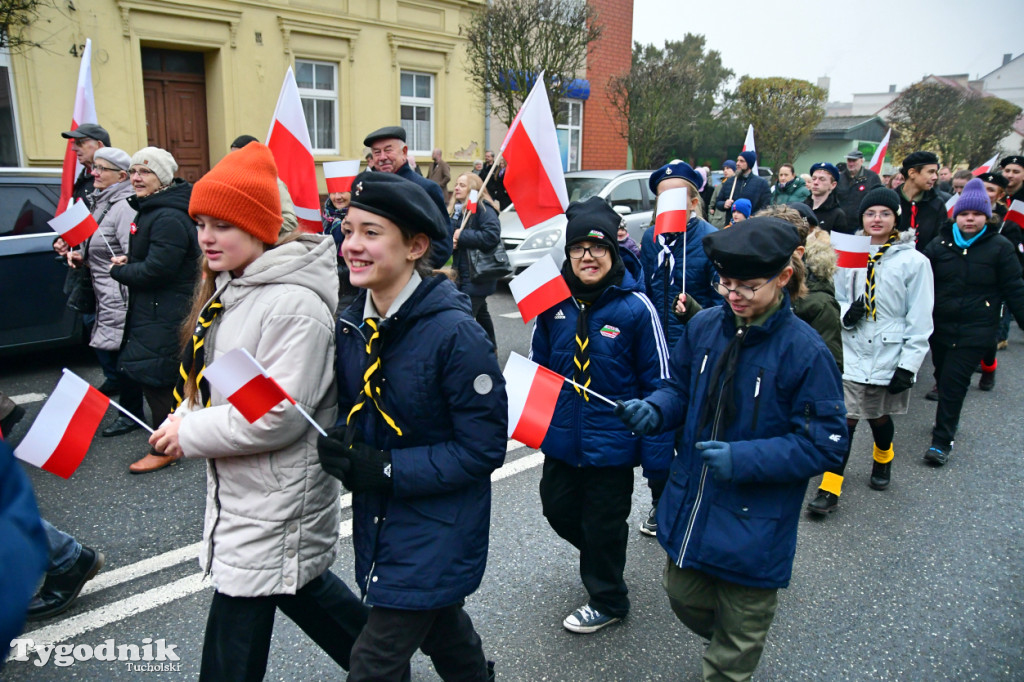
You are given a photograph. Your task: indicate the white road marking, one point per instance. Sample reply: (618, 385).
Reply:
(26, 398)
(136, 604)
(512, 316)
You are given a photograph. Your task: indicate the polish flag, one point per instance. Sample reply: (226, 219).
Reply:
(74, 225)
(748, 145)
(672, 211)
(853, 249)
(534, 178)
(539, 287)
(289, 142)
(474, 197)
(879, 156)
(950, 204)
(340, 174)
(61, 434)
(85, 112)
(985, 167)
(1016, 213)
(237, 376)
(532, 393)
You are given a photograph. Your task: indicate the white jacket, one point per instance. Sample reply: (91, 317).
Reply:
(272, 514)
(898, 337)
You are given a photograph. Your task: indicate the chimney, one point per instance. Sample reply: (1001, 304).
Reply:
(824, 83)
(892, 89)
(1007, 58)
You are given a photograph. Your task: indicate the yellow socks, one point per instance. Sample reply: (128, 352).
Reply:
(832, 483)
(883, 456)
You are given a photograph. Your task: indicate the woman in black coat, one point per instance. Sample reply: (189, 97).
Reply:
(976, 271)
(160, 272)
(482, 233)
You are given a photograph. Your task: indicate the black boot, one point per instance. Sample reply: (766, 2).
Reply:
(59, 591)
(987, 381)
(824, 503)
(490, 671)
(880, 474)
(120, 426)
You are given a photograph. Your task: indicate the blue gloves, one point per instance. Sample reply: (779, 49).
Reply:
(639, 415)
(718, 458)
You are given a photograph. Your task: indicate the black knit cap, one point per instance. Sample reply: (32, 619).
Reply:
(401, 201)
(879, 196)
(751, 249)
(995, 179)
(242, 140)
(592, 220)
(918, 159)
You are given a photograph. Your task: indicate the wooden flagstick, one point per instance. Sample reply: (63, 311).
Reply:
(465, 212)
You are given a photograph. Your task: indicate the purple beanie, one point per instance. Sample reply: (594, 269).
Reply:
(750, 158)
(973, 198)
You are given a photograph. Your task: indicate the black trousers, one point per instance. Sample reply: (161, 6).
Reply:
(391, 637)
(238, 629)
(589, 506)
(953, 370)
(483, 316)
(160, 399)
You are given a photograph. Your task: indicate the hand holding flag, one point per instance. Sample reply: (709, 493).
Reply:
(74, 225)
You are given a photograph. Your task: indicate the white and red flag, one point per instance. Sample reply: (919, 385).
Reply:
(74, 225)
(85, 112)
(748, 146)
(340, 174)
(853, 249)
(672, 211)
(879, 156)
(61, 434)
(985, 167)
(241, 380)
(539, 287)
(474, 197)
(289, 142)
(534, 178)
(532, 393)
(1016, 213)
(951, 204)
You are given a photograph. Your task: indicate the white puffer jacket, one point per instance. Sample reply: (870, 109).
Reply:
(898, 337)
(272, 514)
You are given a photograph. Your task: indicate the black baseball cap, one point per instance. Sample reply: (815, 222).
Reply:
(93, 131)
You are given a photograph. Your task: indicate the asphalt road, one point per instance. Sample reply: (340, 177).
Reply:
(919, 582)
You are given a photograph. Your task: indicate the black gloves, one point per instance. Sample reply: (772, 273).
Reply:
(360, 468)
(901, 380)
(855, 312)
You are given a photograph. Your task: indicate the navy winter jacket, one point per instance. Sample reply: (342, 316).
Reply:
(628, 359)
(789, 425)
(483, 233)
(425, 545)
(752, 187)
(699, 275)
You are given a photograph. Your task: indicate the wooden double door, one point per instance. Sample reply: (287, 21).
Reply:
(174, 85)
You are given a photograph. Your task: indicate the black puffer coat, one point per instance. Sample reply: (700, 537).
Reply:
(927, 215)
(161, 273)
(970, 287)
(830, 215)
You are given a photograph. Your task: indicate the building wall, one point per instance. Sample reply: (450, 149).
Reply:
(603, 144)
(248, 45)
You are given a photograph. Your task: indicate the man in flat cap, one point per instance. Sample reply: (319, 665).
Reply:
(921, 206)
(1012, 168)
(831, 217)
(855, 181)
(391, 155)
(86, 139)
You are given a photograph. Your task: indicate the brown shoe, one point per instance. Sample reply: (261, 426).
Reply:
(153, 462)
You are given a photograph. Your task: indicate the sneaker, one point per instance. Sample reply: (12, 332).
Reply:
(937, 455)
(650, 526)
(932, 394)
(824, 503)
(587, 619)
(1003, 345)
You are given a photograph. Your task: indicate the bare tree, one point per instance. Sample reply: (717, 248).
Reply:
(512, 41)
(15, 17)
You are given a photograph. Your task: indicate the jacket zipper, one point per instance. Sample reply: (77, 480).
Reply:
(216, 519)
(757, 399)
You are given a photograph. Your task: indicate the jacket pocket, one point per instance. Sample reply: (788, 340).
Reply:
(738, 537)
(828, 415)
(441, 508)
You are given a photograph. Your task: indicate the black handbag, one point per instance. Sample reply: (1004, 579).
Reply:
(81, 295)
(488, 266)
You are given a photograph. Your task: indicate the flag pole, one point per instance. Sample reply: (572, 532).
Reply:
(293, 401)
(132, 417)
(310, 420)
(465, 213)
(590, 391)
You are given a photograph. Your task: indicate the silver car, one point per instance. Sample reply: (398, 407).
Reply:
(625, 191)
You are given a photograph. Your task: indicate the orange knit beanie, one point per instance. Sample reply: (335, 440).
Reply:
(242, 190)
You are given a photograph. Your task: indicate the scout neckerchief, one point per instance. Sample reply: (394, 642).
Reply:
(581, 356)
(372, 378)
(196, 355)
(869, 285)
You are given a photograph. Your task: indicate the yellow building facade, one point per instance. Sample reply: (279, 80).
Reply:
(191, 76)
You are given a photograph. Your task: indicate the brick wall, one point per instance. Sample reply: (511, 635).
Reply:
(603, 146)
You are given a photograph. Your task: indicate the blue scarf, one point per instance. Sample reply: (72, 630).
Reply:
(966, 243)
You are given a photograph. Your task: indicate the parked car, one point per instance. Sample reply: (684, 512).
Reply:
(625, 191)
(32, 300)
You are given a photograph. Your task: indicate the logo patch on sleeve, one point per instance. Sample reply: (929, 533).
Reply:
(610, 331)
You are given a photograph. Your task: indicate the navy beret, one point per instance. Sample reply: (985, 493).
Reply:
(917, 159)
(996, 179)
(675, 169)
(401, 201)
(592, 220)
(386, 133)
(805, 211)
(759, 247)
(1015, 160)
(828, 168)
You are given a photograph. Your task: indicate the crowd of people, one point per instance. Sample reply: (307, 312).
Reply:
(739, 357)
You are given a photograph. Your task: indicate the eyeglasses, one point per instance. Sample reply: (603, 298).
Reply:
(142, 172)
(871, 215)
(576, 251)
(104, 168)
(743, 291)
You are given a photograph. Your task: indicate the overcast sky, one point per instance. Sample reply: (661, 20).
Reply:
(862, 45)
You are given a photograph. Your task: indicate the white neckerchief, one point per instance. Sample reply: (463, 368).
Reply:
(666, 244)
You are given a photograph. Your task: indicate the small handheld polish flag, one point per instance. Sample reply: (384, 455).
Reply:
(244, 384)
(853, 249)
(340, 174)
(672, 211)
(74, 225)
(474, 197)
(985, 167)
(1016, 213)
(532, 393)
(951, 204)
(538, 288)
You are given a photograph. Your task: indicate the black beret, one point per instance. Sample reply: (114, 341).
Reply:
(675, 169)
(917, 159)
(401, 201)
(805, 211)
(592, 220)
(880, 196)
(1015, 160)
(754, 248)
(828, 168)
(385, 133)
(996, 178)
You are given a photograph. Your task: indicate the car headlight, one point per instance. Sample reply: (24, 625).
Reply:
(544, 239)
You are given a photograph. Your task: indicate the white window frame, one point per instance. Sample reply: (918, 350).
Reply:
(420, 103)
(573, 164)
(5, 61)
(321, 95)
